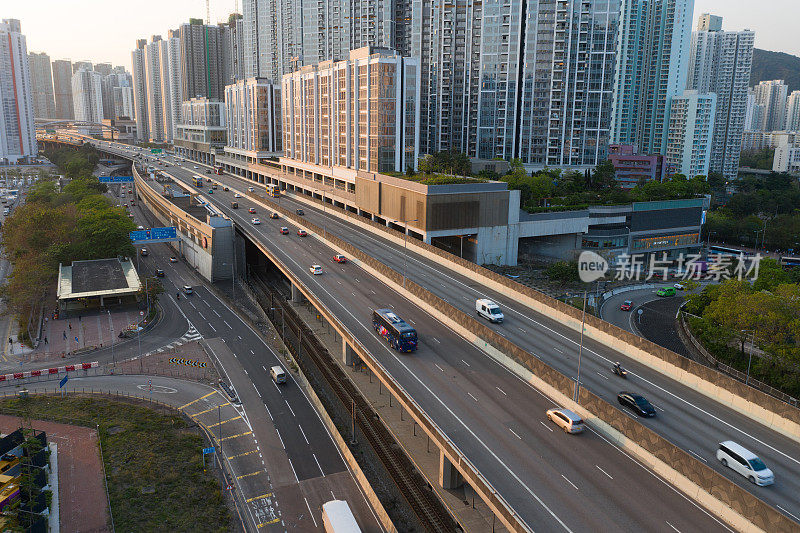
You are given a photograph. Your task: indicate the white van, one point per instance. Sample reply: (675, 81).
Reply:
(277, 374)
(489, 310)
(741, 460)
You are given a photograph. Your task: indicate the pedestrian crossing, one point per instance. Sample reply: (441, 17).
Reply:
(190, 336)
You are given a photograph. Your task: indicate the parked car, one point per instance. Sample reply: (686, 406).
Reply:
(315, 269)
(566, 420)
(627, 305)
(302, 233)
(637, 403)
(339, 258)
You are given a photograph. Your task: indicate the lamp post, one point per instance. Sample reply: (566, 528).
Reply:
(405, 245)
(111, 323)
(708, 237)
(580, 350)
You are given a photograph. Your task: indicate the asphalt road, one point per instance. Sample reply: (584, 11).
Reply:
(555, 484)
(685, 417)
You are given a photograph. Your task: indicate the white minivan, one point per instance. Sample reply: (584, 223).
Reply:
(489, 310)
(741, 460)
(277, 374)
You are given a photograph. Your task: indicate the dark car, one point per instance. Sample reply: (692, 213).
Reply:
(274, 215)
(637, 403)
(159, 273)
(208, 171)
(627, 305)
(299, 212)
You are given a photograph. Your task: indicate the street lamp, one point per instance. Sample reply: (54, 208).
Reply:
(405, 245)
(580, 351)
(708, 241)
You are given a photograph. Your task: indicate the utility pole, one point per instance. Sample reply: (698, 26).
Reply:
(580, 350)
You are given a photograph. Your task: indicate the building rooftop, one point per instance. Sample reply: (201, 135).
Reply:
(99, 277)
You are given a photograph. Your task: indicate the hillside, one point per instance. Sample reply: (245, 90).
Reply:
(775, 66)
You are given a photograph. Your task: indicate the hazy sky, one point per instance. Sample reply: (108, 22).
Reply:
(104, 31)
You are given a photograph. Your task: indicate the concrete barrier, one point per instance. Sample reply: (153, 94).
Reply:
(719, 495)
(751, 402)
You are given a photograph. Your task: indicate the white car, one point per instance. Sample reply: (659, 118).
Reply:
(679, 286)
(196, 166)
(315, 269)
(743, 461)
(237, 195)
(251, 189)
(256, 221)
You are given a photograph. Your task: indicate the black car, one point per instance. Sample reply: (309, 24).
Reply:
(299, 212)
(637, 403)
(159, 273)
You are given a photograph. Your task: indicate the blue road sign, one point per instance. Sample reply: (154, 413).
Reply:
(207, 451)
(153, 235)
(63, 382)
(116, 179)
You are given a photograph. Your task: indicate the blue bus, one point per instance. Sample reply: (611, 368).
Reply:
(727, 250)
(394, 329)
(790, 261)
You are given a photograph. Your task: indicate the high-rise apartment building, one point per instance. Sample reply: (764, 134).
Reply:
(62, 88)
(772, 95)
(651, 68)
(708, 22)
(201, 54)
(201, 134)
(109, 83)
(44, 103)
(273, 37)
(17, 130)
(691, 121)
(720, 63)
(82, 65)
(793, 112)
(104, 69)
(174, 79)
(252, 110)
(159, 111)
(140, 90)
(124, 103)
(87, 97)
(361, 113)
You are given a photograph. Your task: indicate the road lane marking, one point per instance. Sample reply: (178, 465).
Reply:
(697, 455)
(254, 386)
(601, 375)
(673, 527)
(290, 408)
(548, 428)
(304, 433)
(318, 465)
(787, 512)
(515, 433)
(242, 454)
(437, 340)
(215, 312)
(570, 482)
(274, 520)
(603, 471)
(212, 327)
(234, 436)
(267, 495)
(437, 366)
(501, 390)
(257, 472)
(197, 400)
(293, 470)
(471, 396)
(224, 421)
(226, 323)
(465, 362)
(311, 513)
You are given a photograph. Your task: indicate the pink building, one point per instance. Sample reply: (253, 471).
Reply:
(632, 168)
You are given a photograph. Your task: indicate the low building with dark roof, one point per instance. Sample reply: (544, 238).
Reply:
(97, 282)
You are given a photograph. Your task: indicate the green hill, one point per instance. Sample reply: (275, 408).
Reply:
(775, 66)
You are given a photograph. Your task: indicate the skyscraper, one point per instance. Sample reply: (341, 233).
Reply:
(201, 54)
(159, 110)
(140, 90)
(173, 80)
(84, 65)
(123, 102)
(17, 131)
(273, 37)
(690, 132)
(708, 22)
(651, 68)
(44, 103)
(793, 112)
(109, 83)
(772, 95)
(720, 63)
(87, 97)
(62, 88)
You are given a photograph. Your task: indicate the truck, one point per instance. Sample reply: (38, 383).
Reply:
(338, 518)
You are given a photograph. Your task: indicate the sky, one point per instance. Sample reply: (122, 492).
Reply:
(105, 31)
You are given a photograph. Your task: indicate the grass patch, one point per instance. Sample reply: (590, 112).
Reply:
(153, 463)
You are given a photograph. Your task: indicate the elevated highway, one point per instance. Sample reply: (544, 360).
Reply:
(496, 418)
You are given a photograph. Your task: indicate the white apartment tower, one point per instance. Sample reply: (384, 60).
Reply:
(87, 98)
(772, 95)
(124, 102)
(651, 68)
(17, 130)
(44, 104)
(720, 63)
(252, 110)
(793, 112)
(690, 133)
(140, 90)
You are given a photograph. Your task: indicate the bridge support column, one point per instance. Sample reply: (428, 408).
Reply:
(297, 296)
(449, 477)
(347, 353)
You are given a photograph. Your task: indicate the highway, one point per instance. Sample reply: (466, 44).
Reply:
(563, 485)
(303, 463)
